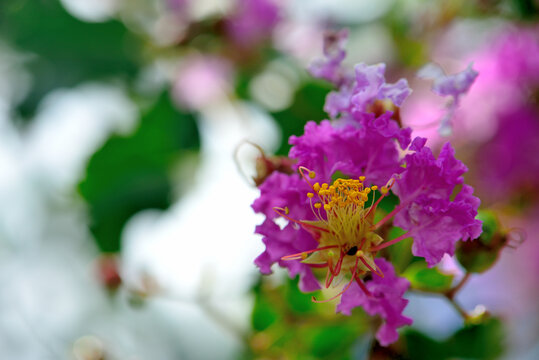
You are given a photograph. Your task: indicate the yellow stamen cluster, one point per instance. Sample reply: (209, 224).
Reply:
(342, 193)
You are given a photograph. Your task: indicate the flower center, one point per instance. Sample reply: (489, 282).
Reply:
(344, 229)
(340, 209)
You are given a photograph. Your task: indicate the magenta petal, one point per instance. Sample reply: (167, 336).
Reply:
(433, 220)
(386, 300)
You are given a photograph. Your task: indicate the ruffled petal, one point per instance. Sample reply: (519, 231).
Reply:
(386, 300)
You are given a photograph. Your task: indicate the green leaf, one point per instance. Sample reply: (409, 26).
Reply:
(400, 253)
(427, 279)
(307, 105)
(476, 260)
(132, 173)
(332, 340)
(484, 341)
(67, 51)
(298, 301)
(490, 226)
(264, 314)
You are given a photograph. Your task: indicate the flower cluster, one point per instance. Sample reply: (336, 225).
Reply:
(345, 168)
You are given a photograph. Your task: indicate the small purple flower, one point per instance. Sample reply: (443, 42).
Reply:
(452, 86)
(368, 86)
(383, 296)
(330, 68)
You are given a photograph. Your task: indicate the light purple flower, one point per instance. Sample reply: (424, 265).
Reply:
(426, 210)
(368, 86)
(386, 300)
(453, 86)
(330, 68)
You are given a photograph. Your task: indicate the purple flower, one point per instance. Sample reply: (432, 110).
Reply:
(385, 300)
(252, 21)
(367, 149)
(369, 85)
(331, 221)
(434, 221)
(330, 67)
(453, 86)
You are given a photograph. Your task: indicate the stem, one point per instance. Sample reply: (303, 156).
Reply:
(457, 307)
(450, 294)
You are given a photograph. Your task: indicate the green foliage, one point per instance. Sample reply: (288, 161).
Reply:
(526, 9)
(479, 255)
(474, 341)
(305, 107)
(287, 323)
(424, 278)
(67, 51)
(131, 173)
(401, 252)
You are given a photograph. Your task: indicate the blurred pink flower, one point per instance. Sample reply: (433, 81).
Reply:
(202, 80)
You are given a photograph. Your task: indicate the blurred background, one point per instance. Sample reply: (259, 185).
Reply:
(127, 158)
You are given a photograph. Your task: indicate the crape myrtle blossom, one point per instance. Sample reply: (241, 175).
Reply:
(331, 224)
(344, 170)
(452, 86)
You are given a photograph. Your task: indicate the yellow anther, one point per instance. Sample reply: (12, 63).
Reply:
(318, 205)
(324, 186)
(310, 195)
(286, 210)
(303, 256)
(327, 207)
(316, 187)
(384, 190)
(362, 178)
(374, 187)
(368, 190)
(359, 253)
(312, 174)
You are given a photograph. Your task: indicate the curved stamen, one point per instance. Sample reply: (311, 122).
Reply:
(343, 290)
(379, 273)
(301, 255)
(391, 242)
(278, 211)
(363, 287)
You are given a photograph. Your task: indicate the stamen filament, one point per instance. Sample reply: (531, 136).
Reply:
(379, 273)
(343, 290)
(388, 216)
(391, 242)
(300, 254)
(363, 287)
(278, 211)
